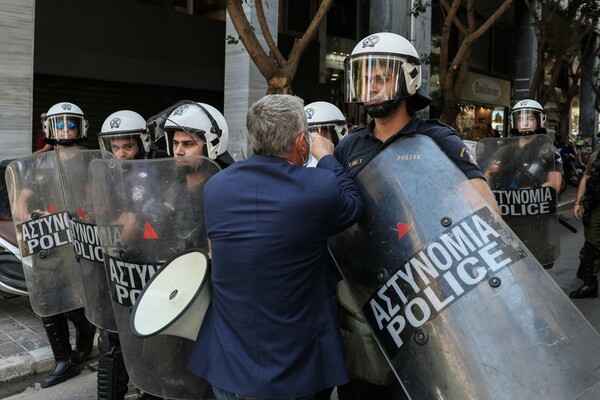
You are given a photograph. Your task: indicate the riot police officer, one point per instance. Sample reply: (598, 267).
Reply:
(65, 125)
(194, 129)
(124, 133)
(326, 120)
(529, 161)
(384, 73)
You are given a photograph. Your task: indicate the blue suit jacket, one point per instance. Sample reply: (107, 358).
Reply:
(272, 329)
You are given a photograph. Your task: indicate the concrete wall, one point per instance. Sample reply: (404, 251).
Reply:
(16, 76)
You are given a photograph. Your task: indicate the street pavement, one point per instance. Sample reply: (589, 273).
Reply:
(25, 353)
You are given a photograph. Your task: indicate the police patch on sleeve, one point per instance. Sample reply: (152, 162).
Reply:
(466, 153)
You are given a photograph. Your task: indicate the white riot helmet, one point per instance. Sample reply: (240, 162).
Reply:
(202, 120)
(65, 124)
(527, 117)
(125, 124)
(324, 115)
(383, 69)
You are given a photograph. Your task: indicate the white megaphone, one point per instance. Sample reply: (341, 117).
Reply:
(175, 300)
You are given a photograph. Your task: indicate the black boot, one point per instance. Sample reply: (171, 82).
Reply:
(57, 330)
(589, 289)
(590, 282)
(84, 335)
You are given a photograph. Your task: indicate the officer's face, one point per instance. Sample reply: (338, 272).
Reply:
(125, 149)
(379, 84)
(185, 144)
(66, 130)
(526, 122)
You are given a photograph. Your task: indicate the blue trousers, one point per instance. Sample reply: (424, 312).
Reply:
(221, 394)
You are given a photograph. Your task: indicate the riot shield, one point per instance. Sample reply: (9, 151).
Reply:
(86, 243)
(521, 173)
(42, 224)
(456, 302)
(147, 212)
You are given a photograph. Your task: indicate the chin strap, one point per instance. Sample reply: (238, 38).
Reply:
(382, 110)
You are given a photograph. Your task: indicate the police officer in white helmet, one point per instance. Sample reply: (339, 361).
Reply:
(65, 125)
(326, 120)
(384, 73)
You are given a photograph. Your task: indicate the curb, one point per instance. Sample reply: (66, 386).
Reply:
(32, 362)
(26, 364)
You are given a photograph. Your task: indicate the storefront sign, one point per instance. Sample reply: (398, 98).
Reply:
(487, 90)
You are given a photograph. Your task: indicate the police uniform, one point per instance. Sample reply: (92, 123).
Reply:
(354, 152)
(357, 149)
(528, 167)
(590, 253)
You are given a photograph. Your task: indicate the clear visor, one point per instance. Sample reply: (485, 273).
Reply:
(373, 79)
(124, 147)
(328, 131)
(526, 120)
(64, 127)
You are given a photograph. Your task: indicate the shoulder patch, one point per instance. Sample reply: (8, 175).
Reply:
(466, 153)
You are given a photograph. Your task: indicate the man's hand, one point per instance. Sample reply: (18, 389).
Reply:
(156, 211)
(320, 147)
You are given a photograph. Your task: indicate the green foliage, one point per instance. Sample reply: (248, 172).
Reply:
(419, 7)
(232, 40)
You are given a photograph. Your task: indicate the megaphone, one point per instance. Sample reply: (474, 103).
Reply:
(175, 300)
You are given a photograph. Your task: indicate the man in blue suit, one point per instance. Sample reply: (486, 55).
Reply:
(271, 331)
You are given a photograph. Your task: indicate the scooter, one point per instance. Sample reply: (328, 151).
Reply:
(12, 278)
(572, 169)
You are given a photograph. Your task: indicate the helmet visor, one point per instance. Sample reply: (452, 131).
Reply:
(64, 127)
(374, 78)
(525, 120)
(332, 132)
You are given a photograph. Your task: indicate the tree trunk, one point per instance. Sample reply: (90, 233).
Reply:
(279, 84)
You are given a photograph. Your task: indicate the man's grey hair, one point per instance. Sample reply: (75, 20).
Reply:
(274, 122)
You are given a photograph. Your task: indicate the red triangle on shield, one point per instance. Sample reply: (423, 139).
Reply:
(149, 232)
(403, 229)
(80, 212)
(52, 208)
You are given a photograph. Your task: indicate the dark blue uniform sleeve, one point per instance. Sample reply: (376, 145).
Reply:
(451, 144)
(350, 205)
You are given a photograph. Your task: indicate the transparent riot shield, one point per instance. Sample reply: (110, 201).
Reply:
(86, 243)
(42, 224)
(147, 212)
(521, 172)
(456, 302)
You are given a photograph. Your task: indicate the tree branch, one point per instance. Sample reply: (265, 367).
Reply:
(263, 62)
(301, 44)
(264, 27)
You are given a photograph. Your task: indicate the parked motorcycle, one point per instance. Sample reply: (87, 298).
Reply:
(12, 278)
(573, 169)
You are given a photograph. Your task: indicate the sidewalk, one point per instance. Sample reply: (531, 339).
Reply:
(24, 348)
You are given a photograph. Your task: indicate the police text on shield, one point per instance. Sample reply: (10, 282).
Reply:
(44, 233)
(435, 277)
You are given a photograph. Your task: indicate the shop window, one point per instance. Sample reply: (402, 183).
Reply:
(298, 14)
(341, 19)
